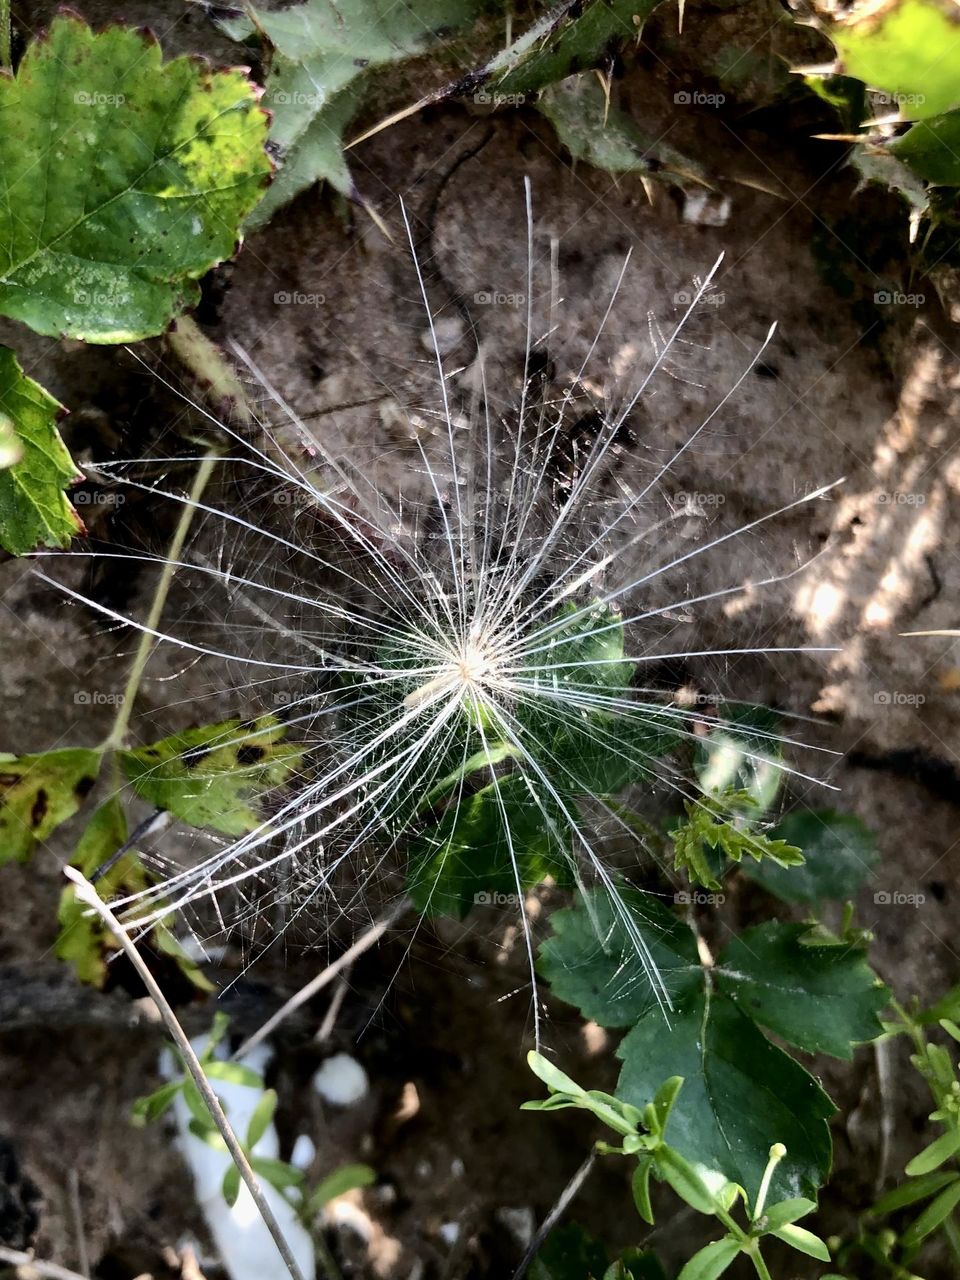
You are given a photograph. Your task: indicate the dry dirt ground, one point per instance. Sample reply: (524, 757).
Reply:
(440, 1016)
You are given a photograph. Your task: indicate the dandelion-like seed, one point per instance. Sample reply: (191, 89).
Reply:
(470, 669)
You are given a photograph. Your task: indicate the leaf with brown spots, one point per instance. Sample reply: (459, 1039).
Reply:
(38, 793)
(215, 776)
(83, 941)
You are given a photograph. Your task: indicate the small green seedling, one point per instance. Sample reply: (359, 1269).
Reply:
(642, 1134)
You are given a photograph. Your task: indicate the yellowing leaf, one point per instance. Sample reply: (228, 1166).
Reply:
(121, 180)
(38, 793)
(215, 775)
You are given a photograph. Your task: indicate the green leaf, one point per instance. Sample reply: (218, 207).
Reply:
(572, 36)
(740, 1091)
(821, 999)
(231, 1185)
(602, 136)
(147, 1109)
(709, 827)
(591, 961)
(327, 56)
(277, 1172)
(568, 1253)
(711, 1261)
(349, 1177)
(912, 1191)
(703, 1188)
(839, 853)
(640, 1186)
(485, 844)
(933, 1216)
(122, 181)
(262, 1117)
(909, 48)
(933, 1156)
(932, 149)
(215, 775)
(232, 1073)
(787, 1211)
(38, 793)
(83, 941)
(35, 466)
(804, 1241)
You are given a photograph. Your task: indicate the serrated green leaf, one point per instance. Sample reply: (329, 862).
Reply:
(594, 736)
(326, 58)
(839, 853)
(931, 148)
(35, 467)
(712, 825)
(349, 1177)
(933, 1216)
(216, 776)
(592, 963)
(38, 793)
(711, 1261)
(147, 171)
(572, 36)
(602, 136)
(821, 999)
(484, 845)
(740, 1091)
(910, 48)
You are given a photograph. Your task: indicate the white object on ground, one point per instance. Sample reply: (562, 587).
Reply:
(341, 1081)
(244, 1244)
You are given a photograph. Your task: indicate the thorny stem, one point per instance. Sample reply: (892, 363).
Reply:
(87, 894)
(147, 640)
